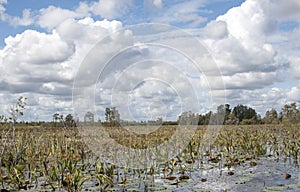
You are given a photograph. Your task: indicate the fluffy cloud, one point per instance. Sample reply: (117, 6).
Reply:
(216, 30)
(295, 68)
(293, 94)
(239, 43)
(246, 22)
(51, 17)
(47, 18)
(250, 80)
(25, 20)
(39, 60)
(287, 44)
(111, 9)
(254, 55)
(184, 13)
(281, 10)
(42, 66)
(36, 48)
(158, 3)
(146, 71)
(264, 99)
(87, 30)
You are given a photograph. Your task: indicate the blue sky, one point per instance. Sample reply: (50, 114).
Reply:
(254, 44)
(210, 10)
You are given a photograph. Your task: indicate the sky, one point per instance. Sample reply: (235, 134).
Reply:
(148, 58)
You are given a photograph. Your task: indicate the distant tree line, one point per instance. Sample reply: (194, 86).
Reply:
(58, 120)
(242, 115)
(238, 115)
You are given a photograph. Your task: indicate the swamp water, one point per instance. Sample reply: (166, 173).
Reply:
(266, 176)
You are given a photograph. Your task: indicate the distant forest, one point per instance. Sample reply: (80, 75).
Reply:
(238, 115)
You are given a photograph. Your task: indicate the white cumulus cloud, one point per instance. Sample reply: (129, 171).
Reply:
(51, 17)
(111, 9)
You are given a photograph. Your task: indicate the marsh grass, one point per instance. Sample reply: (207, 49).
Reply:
(53, 159)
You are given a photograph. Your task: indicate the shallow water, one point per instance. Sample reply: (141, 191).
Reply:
(267, 175)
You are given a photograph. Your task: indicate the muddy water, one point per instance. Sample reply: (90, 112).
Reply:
(268, 175)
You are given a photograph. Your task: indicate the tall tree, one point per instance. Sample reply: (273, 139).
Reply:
(290, 113)
(55, 117)
(69, 121)
(227, 109)
(112, 115)
(239, 112)
(231, 119)
(188, 118)
(115, 115)
(271, 117)
(250, 113)
(107, 114)
(244, 112)
(223, 112)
